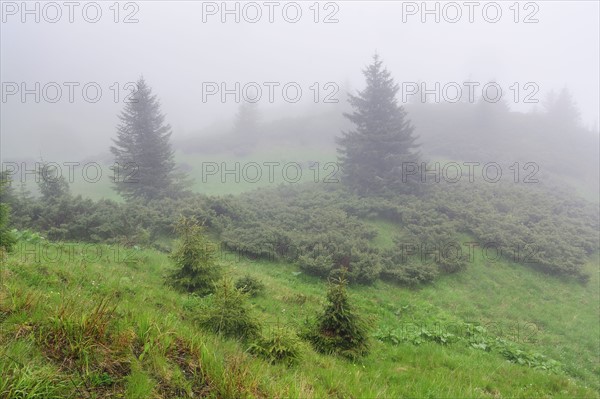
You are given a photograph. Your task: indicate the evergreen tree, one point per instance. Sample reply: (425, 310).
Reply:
(228, 313)
(562, 109)
(21, 215)
(195, 258)
(52, 186)
(372, 155)
(339, 329)
(246, 128)
(246, 120)
(54, 212)
(144, 161)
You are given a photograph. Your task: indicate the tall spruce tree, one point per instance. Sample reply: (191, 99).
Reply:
(247, 120)
(144, 161)
(373, 154)
(52, 185)
(246, 128)
(562, 110)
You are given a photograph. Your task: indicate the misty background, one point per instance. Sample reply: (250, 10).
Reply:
(177, 52)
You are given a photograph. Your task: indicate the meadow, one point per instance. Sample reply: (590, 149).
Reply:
(100, 321)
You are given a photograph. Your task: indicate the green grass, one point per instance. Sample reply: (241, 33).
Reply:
(222, 182)
(386, 231)
(151, 346)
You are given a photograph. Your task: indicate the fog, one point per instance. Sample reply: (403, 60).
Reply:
(178, 53)
(357, 199)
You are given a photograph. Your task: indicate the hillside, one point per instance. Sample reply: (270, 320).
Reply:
(304, 200)
(108, 326)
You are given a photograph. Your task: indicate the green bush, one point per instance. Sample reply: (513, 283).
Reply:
(322, 227)
(227, 313)
(250, 285)
(280, 346)
(409, 273)
(195, 258)
(317, 265)
(339, 330)
(364, 265)
(254, 240)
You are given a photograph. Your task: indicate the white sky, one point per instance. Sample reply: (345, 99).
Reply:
(176, 52)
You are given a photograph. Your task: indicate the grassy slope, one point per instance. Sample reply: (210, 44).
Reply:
(221, 183)
(550, 315)
(556, 318)
(153, 320)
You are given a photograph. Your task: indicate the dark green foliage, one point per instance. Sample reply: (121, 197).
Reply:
(304, 225)
(7, 238)
(431, 245)
(144, 162)
(53, 211)
(53, 187)
(21, 202)
(339, 330)
(256, 240)
(316, 264)
(410, 273)
(227, 312)
(540, 227)
(133, 223)
(472, 336)
(195, 258)
(250, 285)
(372, 155)
(279, 346)
(325, 254)
(364, 265)
(323, 229)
